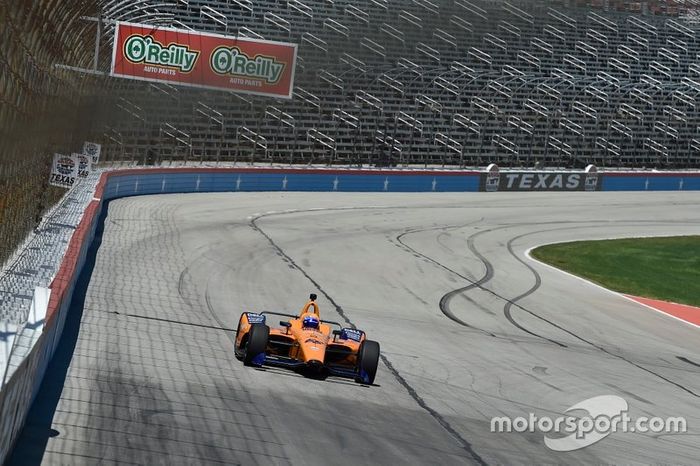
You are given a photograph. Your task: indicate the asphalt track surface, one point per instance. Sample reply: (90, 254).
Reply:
(469, 327)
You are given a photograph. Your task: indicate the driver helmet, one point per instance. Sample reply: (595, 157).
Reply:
(310, 322)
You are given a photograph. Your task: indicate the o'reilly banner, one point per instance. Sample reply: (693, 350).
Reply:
(189, 58)
(494, 179)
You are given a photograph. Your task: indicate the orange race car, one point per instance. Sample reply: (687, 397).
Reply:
(306, 343)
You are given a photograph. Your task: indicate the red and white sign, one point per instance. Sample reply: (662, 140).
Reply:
(93, 150)
(64, 170)
(84, 165)
(212, 61)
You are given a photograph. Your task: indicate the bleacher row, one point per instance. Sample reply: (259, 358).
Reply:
(459, 82)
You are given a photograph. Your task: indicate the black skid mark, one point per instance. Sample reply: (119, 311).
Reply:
(466, 445)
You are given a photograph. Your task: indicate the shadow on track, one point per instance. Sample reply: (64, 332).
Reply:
(31, 444)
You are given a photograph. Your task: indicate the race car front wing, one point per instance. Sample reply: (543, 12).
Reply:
(290, 363)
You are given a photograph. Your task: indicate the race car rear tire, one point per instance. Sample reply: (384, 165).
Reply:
(367, 362)
(256, 343)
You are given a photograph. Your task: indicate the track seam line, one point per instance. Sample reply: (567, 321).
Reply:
(445, 300)
(601, 348)
(529, 255)
(513, 302)
(466, 445)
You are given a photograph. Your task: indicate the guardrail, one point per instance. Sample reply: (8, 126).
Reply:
(67, 234)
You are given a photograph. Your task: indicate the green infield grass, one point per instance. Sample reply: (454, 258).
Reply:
(659, 268)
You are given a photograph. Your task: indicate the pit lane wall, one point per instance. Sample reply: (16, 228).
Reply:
(18, 392)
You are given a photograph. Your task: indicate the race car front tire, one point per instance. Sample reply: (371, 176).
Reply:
(367, 362)
(256, 343)
(239, 350)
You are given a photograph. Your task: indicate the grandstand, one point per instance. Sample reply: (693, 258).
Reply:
(527, 84)
(457, 83)
(435, 82)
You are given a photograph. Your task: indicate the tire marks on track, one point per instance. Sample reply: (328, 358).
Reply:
(575, 335)
(445, 300)
(488, 275)
(686, 360)
(465, 444)
(510, 303)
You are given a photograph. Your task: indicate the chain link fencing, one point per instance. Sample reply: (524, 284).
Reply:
(42, 108)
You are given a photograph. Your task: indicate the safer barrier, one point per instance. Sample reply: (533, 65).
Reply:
(651, 181)
(137, 182)
(132, 182)
(17, 395)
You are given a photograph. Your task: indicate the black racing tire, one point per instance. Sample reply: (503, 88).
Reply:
(256, 343)
(239, 351)
(367, 361)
